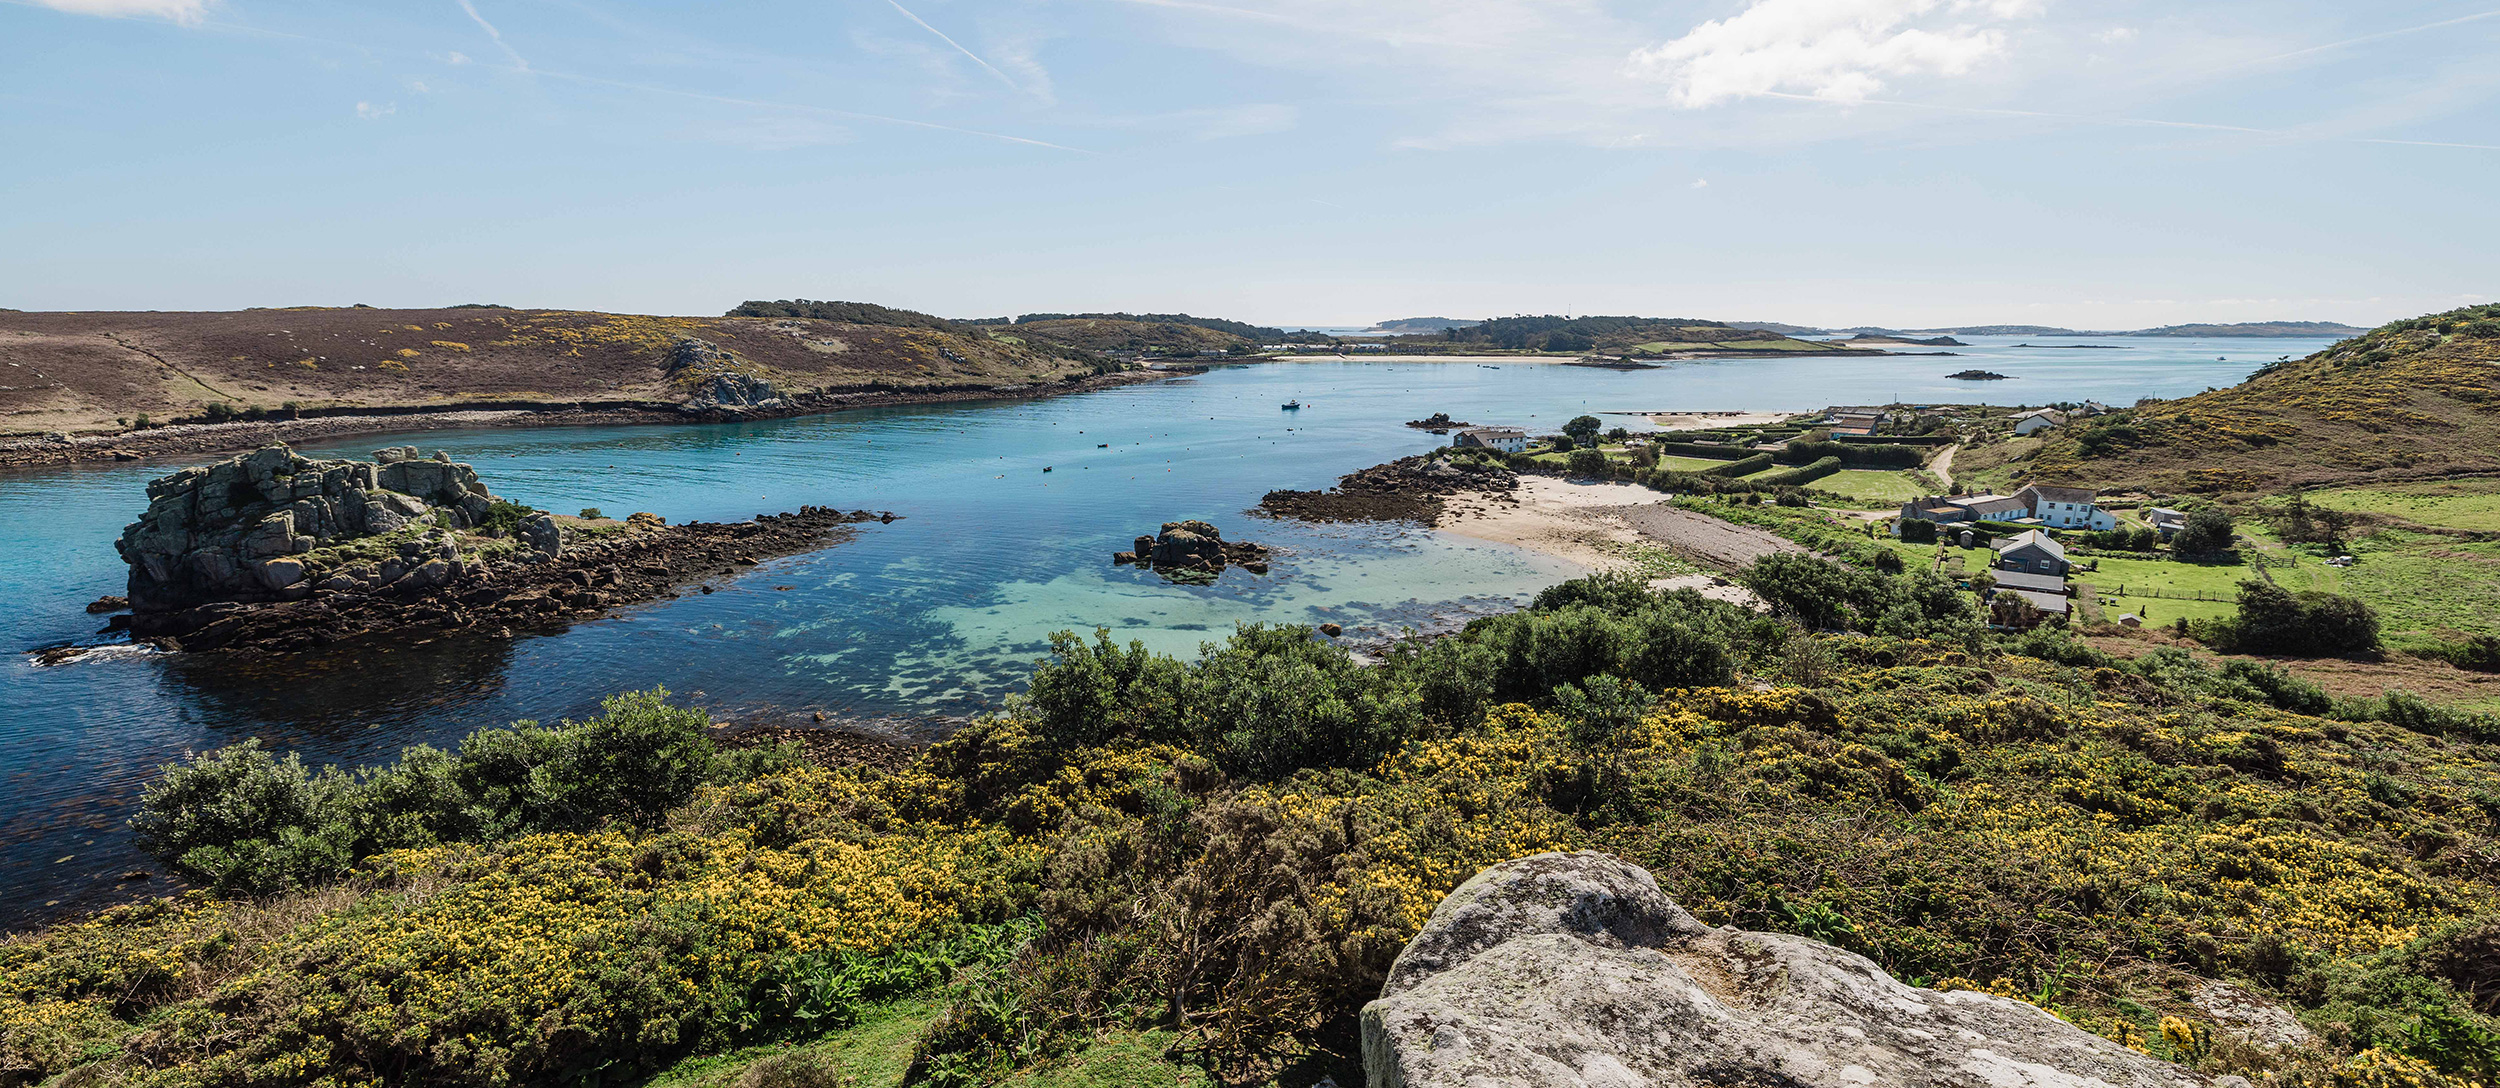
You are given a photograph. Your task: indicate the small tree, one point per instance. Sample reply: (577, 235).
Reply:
(1918, 531)
(2208, 532)
(1588, 462)
(1583, 429)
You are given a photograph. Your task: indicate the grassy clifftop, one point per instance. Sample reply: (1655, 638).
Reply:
(2411, 399)
(73, 371)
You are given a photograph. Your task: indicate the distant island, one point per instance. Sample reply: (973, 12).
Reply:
(1976, 376)
(2328, 329)
(1418, 325)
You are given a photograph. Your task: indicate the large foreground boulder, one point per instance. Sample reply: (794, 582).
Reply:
(1574, 969)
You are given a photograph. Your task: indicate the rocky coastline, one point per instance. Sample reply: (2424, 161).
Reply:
(1408, 489)
(274, 552)
(703, 407)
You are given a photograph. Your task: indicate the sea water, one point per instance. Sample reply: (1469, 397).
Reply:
(940, 613)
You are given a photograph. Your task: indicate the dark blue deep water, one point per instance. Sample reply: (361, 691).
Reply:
(939, 613)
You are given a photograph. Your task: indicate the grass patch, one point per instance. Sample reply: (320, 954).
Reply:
(2470, 505)
(1875, 487)
(1688, 464)
(2425, 585)
(873, 1055)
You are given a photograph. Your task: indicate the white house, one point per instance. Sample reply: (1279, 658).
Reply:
(2039, 421)
(2067, 507)
(1503, 439)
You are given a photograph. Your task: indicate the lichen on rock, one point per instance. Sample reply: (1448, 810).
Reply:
(269, 525)
(1574, 969)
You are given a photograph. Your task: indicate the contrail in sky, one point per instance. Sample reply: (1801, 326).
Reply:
(959, 46)
(2476, 17)
(491, 32)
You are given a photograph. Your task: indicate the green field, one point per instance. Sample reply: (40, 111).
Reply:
(2472, 505)
(1688, 464)
(1873, 486)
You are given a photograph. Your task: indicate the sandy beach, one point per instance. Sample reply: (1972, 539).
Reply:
(1600, 525)
(1688, 421)
(1370, 357)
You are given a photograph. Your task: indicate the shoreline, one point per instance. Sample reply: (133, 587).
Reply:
(186, 439)
(1601, 526)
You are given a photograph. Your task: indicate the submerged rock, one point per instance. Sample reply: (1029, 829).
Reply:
(1574, 969)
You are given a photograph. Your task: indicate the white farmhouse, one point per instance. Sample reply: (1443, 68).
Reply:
(1502, 439)
(2067, 507)
(2039, 421)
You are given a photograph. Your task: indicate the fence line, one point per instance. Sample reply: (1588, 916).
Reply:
(2167, 595)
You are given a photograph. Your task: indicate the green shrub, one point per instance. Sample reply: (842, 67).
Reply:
(1588, 462)
(1746, 466)
(2207, 532)
(504, 517)
(2273, 620)
(1798, 477)
(247, 823)
(1918, 531)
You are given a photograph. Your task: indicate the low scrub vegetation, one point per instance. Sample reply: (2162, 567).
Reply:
(1226, 853)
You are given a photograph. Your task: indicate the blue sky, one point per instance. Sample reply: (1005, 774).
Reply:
(1915, 162)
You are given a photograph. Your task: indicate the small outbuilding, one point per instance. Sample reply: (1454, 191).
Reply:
(2032, 552)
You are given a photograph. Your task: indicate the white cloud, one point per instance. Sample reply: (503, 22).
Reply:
(456, 58)
(1842, 50)
(371, 112)
(181, 11)
(2116, 34)
(1699, 183)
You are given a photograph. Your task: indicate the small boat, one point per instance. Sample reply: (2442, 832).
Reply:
(1488, 366)
(1293, 406)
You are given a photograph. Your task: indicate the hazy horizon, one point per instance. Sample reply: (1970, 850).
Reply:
(1907, 163)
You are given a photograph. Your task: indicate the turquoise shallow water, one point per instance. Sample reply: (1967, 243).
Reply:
(939, 613)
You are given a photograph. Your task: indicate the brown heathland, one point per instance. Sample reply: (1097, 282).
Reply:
(83, 371)
(2414, 399)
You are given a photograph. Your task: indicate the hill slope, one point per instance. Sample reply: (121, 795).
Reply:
(2411, 399)
(74, 371)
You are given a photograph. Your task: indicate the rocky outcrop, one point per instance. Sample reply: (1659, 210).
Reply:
(255, 527)
(1574, 969)
(1408, 489)
(427, 591)
(1193, 547)
(275, 551)
(1438, 423)
(717, 381)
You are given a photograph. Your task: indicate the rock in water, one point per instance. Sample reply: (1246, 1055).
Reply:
(240, 529)
(1574, 969)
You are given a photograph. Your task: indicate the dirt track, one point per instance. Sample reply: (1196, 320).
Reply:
(1702, 538)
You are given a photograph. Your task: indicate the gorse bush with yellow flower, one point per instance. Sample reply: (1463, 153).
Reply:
(1232, 849)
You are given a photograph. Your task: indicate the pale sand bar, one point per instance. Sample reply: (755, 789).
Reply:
(1689, 421)
(1596, 525)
